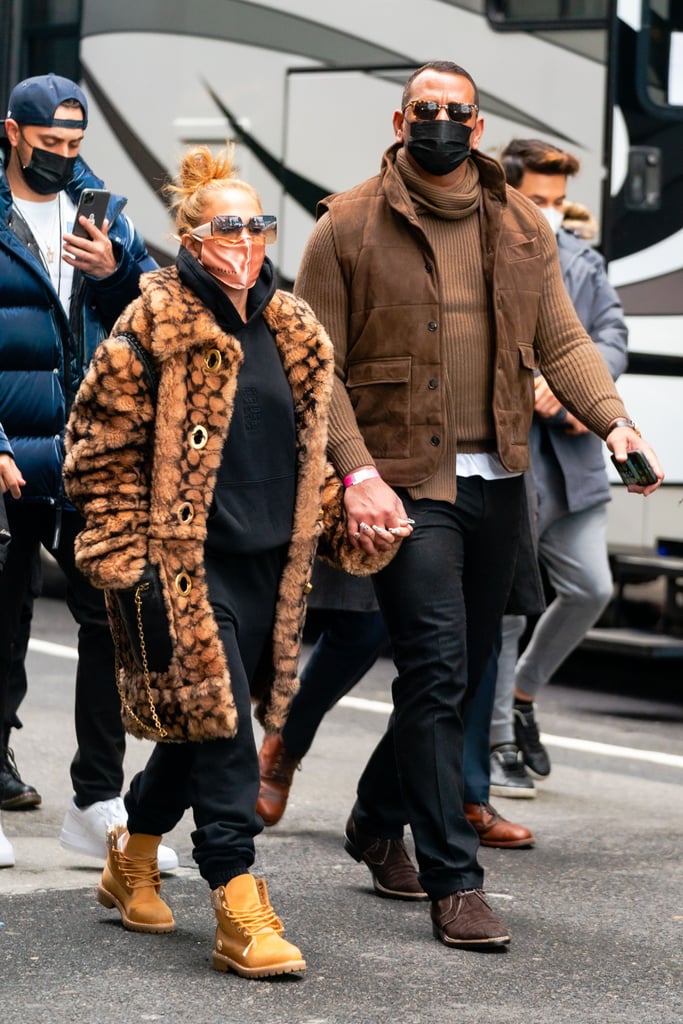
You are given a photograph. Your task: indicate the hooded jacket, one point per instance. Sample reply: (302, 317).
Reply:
(581, 457)
(143, 472)
(44, 355)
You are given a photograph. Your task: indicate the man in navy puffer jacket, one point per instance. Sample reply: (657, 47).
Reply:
(59, 297)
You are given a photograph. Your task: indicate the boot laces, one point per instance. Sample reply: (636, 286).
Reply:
(479, 893)
(139, 873)
(10, 765)
(254, 919)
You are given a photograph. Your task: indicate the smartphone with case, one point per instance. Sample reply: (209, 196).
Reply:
(93, 205)
(636, 470)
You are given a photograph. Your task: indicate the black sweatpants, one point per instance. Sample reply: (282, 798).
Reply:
(218, 779)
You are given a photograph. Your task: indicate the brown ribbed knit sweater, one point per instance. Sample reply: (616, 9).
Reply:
(451, 222)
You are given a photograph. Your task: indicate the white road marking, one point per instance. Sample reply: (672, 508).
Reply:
(56, 650)
(380, 707)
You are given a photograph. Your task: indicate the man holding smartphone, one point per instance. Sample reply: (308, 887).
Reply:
(60, 295)
(569, 479)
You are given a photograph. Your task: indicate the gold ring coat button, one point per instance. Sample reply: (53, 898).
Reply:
(185, 512)
(183, 583)
(212, 360)
(199, 435)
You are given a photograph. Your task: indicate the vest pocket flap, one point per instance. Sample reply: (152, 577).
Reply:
(524, 249)
(379, 371)
(527, 356)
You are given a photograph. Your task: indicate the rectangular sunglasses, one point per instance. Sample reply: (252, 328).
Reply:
(428, 110)
(231, 227)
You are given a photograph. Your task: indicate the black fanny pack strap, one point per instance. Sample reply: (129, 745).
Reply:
(149, 369)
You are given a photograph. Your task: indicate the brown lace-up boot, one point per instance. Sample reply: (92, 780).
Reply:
(131, 882)
(466, 920)
(249, 933)
(394, 875)
(277, 768)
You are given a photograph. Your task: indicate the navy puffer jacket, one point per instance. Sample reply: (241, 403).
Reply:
(44, 356)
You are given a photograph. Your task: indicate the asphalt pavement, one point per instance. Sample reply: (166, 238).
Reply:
(595, 909)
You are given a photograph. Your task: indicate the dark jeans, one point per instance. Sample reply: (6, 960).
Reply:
(346, 649)
(218, 779)
(97, 768)
(442, 597)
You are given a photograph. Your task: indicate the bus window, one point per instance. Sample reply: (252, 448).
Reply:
(51, 36)
(663, 57)
(547, 14)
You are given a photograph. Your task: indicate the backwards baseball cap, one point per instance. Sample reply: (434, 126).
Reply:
(35, 100)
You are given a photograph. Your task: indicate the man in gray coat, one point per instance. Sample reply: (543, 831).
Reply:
(571, 484)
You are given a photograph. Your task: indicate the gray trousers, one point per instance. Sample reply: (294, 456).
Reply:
(573, 549)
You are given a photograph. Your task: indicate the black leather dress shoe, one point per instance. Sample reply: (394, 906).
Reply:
(15, 795)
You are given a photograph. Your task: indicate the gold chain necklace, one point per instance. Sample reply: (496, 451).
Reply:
(45, 245)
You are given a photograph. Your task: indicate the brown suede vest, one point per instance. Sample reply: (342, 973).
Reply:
(394, 374)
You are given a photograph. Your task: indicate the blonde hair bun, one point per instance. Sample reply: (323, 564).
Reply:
(201, 175)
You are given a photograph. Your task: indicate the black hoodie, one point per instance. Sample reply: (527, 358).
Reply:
(253, 504)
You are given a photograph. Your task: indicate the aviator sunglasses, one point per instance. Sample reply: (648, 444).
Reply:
(428, 110)
(231, 228)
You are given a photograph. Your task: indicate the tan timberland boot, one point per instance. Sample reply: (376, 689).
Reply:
(248, 936)
(131, 882)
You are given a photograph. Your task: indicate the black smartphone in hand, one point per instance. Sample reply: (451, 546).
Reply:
(636, 470)
(93, 205)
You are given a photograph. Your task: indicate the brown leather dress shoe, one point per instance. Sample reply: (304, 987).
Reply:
(465, 919)
(394, 875)
(277, 767)
(494, 830)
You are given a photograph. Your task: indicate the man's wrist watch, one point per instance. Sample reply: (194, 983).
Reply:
(622, 422)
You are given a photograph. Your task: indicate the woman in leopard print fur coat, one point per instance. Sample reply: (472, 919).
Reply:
(196, 453)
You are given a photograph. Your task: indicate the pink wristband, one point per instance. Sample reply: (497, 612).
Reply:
(359, 476)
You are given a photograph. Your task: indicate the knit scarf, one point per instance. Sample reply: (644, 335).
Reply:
(448, 203)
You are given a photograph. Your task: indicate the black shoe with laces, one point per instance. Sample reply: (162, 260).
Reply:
(15, 795)
(528, 739)
(509, 776)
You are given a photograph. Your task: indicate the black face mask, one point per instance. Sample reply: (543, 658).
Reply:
(439, 146)
(47, 173)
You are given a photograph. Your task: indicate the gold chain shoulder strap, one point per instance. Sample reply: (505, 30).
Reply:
(158, 732)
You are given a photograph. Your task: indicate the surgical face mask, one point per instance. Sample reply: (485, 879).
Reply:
(47, 173)
(438, 146)
(237, 264)
(553, 216)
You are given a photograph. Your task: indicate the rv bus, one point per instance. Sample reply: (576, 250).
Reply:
(306, 88)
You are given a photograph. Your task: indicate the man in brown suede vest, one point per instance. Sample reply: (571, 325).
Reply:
(441, 291)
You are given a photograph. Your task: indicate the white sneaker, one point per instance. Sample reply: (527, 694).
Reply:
(6, 850)
(85, 830)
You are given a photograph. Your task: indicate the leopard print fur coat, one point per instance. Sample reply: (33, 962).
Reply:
(143, 474)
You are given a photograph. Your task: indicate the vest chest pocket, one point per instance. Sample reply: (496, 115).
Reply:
(380, 393)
